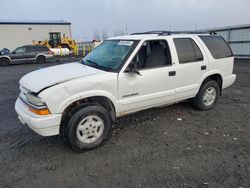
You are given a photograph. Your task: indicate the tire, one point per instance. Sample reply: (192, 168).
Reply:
(4, 62)
(86, 122)
(65, 46)
(207, 96)
(41, 59)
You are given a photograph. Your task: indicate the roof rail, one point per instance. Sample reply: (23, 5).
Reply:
(212, 33)
(160, 33)
(153, 32)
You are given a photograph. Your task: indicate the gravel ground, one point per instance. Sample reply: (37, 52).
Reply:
(174, 146)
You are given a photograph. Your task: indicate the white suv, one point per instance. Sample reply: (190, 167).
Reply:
(124, 75)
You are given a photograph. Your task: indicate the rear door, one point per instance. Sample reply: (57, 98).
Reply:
(192, 65)
(31, 53)
(221, 57)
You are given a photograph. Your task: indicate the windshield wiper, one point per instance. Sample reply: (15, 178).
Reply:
(90, 63)
(93, 63)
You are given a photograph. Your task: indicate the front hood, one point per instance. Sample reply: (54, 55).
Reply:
(46, 77)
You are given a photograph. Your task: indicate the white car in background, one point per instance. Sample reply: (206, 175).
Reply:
(124, 75)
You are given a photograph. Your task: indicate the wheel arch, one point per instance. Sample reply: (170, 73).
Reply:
(93, 100)
(6, 57)
(216, 77)
(38, 55)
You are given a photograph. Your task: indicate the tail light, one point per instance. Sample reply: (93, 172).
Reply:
(50, 52)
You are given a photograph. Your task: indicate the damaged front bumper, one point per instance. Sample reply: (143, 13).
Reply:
(48, 125)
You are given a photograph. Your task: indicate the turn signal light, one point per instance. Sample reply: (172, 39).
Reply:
(41, 112)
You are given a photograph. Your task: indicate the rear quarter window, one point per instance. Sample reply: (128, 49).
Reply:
(40, 48)
(187, 50)
(43, 49)
(217, 46)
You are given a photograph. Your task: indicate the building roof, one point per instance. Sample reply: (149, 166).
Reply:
(34, 22)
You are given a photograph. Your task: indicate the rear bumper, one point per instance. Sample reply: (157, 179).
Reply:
(50, 57)
(228, 81)
(42, 125)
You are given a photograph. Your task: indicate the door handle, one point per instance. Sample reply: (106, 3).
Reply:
(203, 67)
(171, 73)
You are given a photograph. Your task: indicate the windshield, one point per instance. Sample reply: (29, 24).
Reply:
(110, 55)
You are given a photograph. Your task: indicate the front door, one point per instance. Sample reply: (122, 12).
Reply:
(149, 80)
(18, 55)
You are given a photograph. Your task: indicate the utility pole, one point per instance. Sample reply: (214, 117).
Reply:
(195, 27)
(126, 29)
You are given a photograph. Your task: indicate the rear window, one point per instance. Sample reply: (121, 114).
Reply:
(187, 50)
(217, 46)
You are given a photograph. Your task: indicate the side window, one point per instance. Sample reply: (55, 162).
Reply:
(187, 50)
(153, 54)
(42, 49)
(198, 54)
(217, 46)
(39, 49)
(20, 50)
(29, 49)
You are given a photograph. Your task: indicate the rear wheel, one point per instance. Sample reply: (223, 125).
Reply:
(207, 96)
(41, 59)
(4, 62)
(88, 128)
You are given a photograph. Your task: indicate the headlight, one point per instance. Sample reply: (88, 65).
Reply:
(36, 104)
(35, 100)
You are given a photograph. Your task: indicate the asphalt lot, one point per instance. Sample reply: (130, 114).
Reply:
(174, 146)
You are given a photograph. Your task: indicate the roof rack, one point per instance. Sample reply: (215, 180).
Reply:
(153, 32)
(161, 33)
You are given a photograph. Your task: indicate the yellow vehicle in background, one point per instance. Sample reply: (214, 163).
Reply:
(56, 41)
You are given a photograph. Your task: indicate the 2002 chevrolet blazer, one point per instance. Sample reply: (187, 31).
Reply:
(124, 75)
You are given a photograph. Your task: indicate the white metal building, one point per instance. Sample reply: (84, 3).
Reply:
(238, 38)
(14, 34)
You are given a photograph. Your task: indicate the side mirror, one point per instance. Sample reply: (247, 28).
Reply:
(132, 68)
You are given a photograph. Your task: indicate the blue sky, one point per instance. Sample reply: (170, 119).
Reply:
(88, 16)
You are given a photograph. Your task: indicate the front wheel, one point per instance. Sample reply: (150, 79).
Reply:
(4, 62)
(207, 96)
(88, 128)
